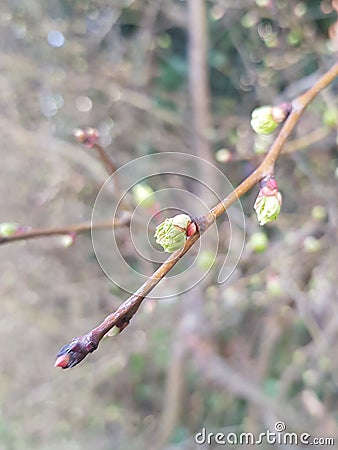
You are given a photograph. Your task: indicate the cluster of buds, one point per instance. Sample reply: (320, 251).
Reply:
(174, 231)
(89, 136)
(265, 119)
(269, 201)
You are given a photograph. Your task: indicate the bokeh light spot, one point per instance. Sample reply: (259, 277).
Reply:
(55, 38)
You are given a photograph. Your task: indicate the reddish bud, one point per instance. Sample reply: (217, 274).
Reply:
(268, 186)
(89, 136)
(23, 229)
(280, 113)
(191, 229)
(72, 354)
(269, 200)
(62, 361)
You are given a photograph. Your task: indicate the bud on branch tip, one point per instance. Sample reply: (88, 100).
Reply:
(72, 354)
(89, 136)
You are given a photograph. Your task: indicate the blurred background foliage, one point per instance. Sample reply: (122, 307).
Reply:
(230, 357)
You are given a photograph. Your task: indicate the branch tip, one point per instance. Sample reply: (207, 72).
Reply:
(73, 353)
(89, 136)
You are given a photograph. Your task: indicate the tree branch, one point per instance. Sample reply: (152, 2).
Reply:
(90, 138)
(67, 230)
(71, 354)
(105, 158)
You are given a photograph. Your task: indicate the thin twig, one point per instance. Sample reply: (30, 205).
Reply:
(105, 158)
(71, 354)
(67, 230)
(112, 169)
(309, 139)
(90, 138)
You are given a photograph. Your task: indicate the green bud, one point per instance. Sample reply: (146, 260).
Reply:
(113, 332)
(265, 119)
(274, 286)
(223, 155)
(311, 377)
(311, 244)
(259, 242)
(172, 233)
(68, 240)
(262, 3)
(8, 228)
(268, 207)
(330, 117)
(262, 143)
(262, 121)
(319, 212)
(144, 195)
(206, 260)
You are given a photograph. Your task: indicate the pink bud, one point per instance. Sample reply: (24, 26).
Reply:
(191, 229)
(62, 361)
(280, 113)
(23, 229)
(268, 186)
(89, 137)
